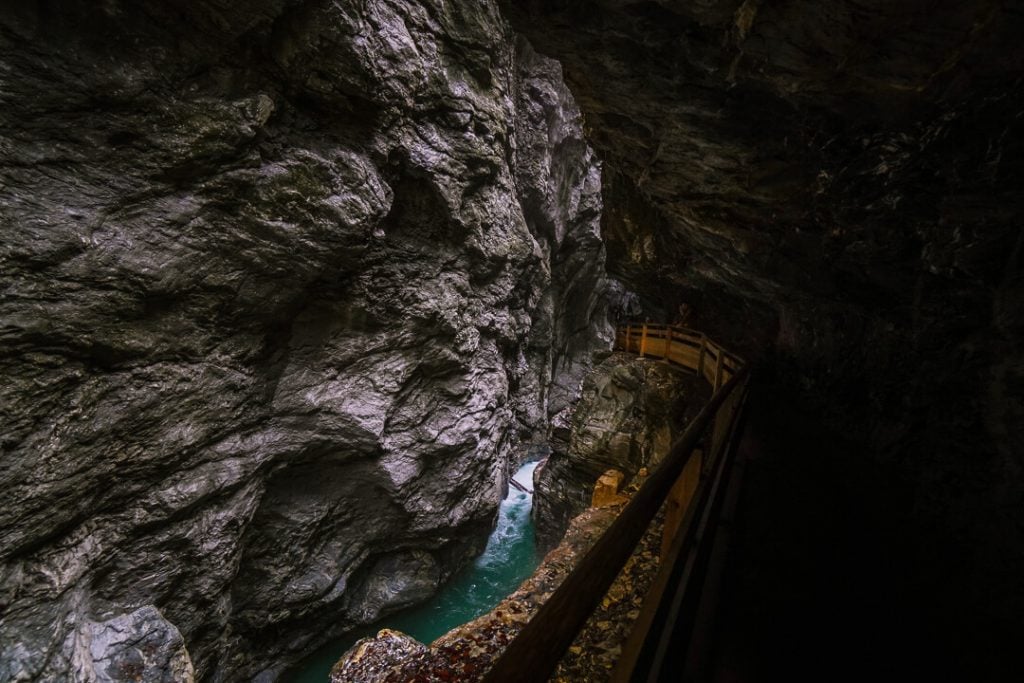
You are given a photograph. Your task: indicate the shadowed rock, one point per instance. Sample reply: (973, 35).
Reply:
(834, 187)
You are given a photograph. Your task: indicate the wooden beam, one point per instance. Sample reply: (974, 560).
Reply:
(516, 485)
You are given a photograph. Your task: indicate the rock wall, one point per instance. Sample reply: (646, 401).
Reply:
(630, 413)
(288, 285)
(835, 187)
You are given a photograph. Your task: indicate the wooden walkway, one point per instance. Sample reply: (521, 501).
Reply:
(683, 347)
(697, 480)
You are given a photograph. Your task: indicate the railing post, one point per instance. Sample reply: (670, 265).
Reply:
(643, 340)
(718, 368)
(629, 331)
(679, 500)
(700, 358)
(718, 434)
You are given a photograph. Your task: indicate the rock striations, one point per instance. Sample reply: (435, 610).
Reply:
(286, 284)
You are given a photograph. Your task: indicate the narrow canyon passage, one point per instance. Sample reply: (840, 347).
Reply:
(290, 288)
(509, 557)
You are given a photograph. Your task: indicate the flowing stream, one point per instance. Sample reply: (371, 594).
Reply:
(509, 558)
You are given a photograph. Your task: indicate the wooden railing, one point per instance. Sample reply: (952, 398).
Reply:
(703, 453)
(680, 346)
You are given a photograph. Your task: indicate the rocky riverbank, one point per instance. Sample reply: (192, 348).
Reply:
(466, 653)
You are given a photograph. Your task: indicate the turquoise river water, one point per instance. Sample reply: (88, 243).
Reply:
(510, 557)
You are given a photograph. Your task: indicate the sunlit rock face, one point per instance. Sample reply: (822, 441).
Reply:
(836, 186)
(287, 285)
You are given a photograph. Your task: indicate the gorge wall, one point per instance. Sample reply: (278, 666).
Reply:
(835, 187)
(287, 283)
(287, 288)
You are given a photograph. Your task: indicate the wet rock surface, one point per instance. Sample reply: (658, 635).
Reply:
(630, 412)
(287, 287)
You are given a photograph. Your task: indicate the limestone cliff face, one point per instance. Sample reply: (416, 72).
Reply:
(835, 187)
(631, 411)
(287, 285)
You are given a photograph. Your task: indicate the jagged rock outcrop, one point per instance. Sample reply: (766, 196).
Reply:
(630, 412)
(559, 185)
(285, 285)
(835, 186)
(140, 646)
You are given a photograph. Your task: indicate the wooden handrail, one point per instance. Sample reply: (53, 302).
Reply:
(667, 615)
(536, 651)
(630, 337)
